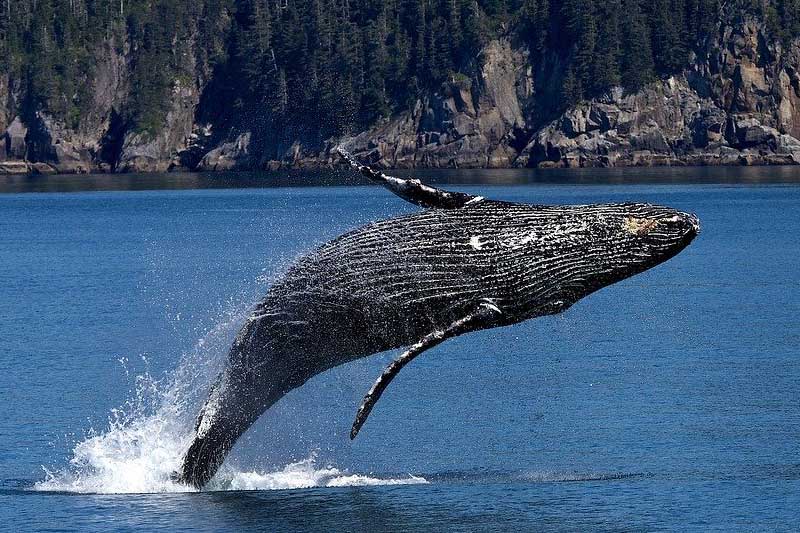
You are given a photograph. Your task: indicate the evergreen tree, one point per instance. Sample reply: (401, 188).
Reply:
(636, 67)
(314, 68)
(605, 68)
(257, 55)
(571, 91)
(666, 31)
(373, 98)
(535, 23)
(701, 16)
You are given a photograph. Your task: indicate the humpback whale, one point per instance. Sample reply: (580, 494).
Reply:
(461, 264)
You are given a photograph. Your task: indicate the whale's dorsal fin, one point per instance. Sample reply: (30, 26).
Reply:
(413, 190)
(483, 316)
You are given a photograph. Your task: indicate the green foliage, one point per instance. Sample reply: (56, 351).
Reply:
(783, 18)
(50, 48)
(636, 63)
(315, 68)
(340, 66)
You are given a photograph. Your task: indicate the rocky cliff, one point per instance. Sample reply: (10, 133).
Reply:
(737, 102)
(470, 123)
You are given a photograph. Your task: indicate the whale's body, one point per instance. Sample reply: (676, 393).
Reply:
(466, 264)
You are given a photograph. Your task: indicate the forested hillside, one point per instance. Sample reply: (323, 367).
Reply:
(114, 80)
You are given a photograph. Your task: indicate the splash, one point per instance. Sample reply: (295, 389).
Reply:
(347, 156)
(145, 439)
(303, 474)
(136, 454)
(107, 472)
(139, 454)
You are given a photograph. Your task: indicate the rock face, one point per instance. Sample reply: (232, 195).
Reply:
(81, 150)
(469, 123)
(102, 142)
(737, 102)
(15, 146)
(668, 123)
(142, 152)
(228, 155)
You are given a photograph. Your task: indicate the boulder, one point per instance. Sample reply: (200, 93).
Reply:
(14, 167)
(227, 156)
(748, 132)
(42, 168)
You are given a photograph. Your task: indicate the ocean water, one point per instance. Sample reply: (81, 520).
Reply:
(669, 401)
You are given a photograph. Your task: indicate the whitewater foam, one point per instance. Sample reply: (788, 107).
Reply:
(304, 474)
(145, 439)
(150, 473)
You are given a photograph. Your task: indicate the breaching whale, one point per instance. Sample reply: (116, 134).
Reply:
(462, 264)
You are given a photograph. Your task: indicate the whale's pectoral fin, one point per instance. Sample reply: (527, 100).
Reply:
(485, 315)
(413, 190)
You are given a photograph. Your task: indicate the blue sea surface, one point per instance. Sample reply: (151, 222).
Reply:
(669, 401)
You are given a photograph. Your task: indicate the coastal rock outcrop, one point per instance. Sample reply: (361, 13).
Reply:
(468, 123)
(736, 102)
(148, 152)
(14, 145)
(228, 155)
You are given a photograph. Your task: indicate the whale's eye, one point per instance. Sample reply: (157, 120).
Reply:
(640, 226)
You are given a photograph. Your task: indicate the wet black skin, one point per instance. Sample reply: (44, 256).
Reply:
(462, 264)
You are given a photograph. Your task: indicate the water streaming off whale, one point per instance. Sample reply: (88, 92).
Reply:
(141, 448)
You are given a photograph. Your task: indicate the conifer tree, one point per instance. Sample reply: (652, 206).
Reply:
(535, 23)
(315, 68)
(605, 68)
(636, 67)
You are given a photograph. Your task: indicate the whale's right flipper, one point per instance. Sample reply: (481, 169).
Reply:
(485, 315)
(413, 190)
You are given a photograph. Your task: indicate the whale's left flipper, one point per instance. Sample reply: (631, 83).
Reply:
(413, 190)
(484, 316)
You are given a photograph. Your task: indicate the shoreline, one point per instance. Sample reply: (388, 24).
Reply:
(38, 168)
(245, 179)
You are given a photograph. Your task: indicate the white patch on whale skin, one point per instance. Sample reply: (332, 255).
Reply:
(642, 226)
(527, 239)
(476, 242)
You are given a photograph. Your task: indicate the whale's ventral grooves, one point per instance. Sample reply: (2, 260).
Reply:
(463, 264)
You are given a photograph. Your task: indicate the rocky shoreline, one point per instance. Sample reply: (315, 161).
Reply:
(738, 103)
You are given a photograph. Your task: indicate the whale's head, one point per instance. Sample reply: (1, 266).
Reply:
(566, 253)
(643, 236)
